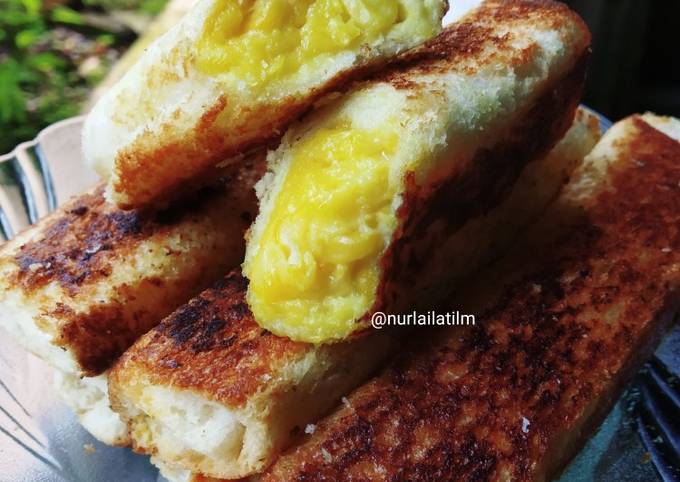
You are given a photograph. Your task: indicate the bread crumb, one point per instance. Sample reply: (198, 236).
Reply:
(525, 425)
(89, 448)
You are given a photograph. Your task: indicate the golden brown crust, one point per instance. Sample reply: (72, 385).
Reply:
(474, 189)
(206, 145)
(74, 247)
(213, 351)
(514, 397)
(77, 250)
(79, 243)
(475, 41)
(212, 345)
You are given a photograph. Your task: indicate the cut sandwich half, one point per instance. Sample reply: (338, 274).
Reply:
(232, 74)
(361, 193)
(211, 392)
(516, 396)
(82, 285)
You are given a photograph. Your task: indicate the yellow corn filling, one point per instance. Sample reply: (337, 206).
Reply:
(260, 41)
(316, 268)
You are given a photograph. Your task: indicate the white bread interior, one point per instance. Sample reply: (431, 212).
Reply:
(88, 397)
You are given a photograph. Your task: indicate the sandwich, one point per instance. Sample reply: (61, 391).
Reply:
(361, 192)
(82, 285)
(517, 395)
(208, 391)
(232, 74)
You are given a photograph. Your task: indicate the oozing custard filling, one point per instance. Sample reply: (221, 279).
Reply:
(261, 41)
(315, 271)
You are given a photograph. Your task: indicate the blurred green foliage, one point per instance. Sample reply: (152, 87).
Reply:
(51, 57)
(147, 6)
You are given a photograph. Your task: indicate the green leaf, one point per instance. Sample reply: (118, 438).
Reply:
(13, 105)
(26, 38)
(106, 39)
(63, 14)
(27, 75)
(14, 18)
(45, 61)
(32, 6)
(152, 6)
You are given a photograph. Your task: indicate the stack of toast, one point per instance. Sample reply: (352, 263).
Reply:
(275, 173)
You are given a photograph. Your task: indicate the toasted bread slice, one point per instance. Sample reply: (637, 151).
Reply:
(232, 74)
(516, 396)
(210, 391)
(362, 192)
(78, 288)
(83, 284)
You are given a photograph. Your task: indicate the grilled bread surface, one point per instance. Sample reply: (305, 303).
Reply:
(174, 115)
(84, 283)
(515, 397)
(460, 117)
(78, 288)
(211, 354)
(209, 390)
